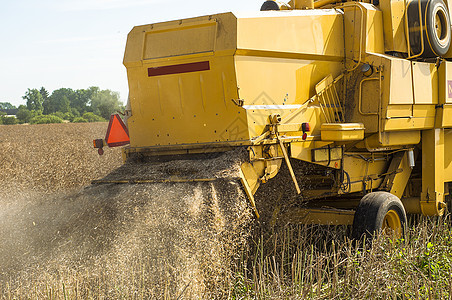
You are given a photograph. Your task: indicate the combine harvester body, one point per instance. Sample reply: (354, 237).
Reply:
(360, 93)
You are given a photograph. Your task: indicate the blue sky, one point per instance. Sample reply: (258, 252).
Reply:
(77, 44)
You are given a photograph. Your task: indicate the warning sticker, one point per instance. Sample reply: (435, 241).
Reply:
(449, 88)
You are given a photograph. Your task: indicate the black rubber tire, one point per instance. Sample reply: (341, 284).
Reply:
(371, 212)
(435, 43)
(270, 5)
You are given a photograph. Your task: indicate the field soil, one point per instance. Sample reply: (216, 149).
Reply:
(52, 157)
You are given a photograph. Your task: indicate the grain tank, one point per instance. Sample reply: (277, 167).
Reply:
(353, 100)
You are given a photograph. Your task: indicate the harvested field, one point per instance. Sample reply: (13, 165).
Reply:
(60, 239)
(52, 157)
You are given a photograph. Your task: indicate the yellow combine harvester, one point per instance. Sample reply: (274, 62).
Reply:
(357, 94)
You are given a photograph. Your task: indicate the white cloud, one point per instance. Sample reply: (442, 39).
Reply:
(83, 5)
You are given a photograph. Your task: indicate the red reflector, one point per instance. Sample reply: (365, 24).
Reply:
(117, 133)
(98, 143)
(305, 127)
(305, 136)
(179, 69)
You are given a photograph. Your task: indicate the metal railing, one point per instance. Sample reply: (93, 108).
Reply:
(407, 30)
(330, 104)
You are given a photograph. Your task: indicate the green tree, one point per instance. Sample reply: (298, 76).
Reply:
(6, 105)
(71, 115)
(83, 100)
(79, 120)
(45, 119)
(24, 115)
(60, 100)
(44, 93)
(9, 120)
(91, 117)
(34, 100)
(105, 102)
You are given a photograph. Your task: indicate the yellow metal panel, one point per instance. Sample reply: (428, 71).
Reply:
(310, 74)
(425, 82)
(354, 35)
(178, 107)
(342, 126)
(294, 127)
(424, 111)
(281, 91)
(258, 86)
(444, 113)
(370, 96)
(448, 155)
(363, 25)
(374, 32)
(401, 82)
(187, 36)
(445, 82)
(359, 169)
(402, 110)
(319, 216)
(401, 179)
(412, 205)
(189, 39)
(251, 177)
(303, 4)
(248, 191)
(303, 151)
(315, 32)
(326, 154)
(342, 132)
(420, 116)
(433, 171)
(444, 116)
(398, 124)
(393, 138)
(384, 95)
(186, 108)
(394, 25)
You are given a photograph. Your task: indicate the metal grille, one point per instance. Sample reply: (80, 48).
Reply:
(329, 100)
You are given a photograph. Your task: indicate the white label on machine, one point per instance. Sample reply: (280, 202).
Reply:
(293, 106)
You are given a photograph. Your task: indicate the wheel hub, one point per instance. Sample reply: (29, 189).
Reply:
(392, 224)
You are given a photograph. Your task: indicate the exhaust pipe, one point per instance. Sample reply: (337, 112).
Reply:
(411, 161)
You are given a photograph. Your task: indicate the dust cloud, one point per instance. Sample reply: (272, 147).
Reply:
(141, 241)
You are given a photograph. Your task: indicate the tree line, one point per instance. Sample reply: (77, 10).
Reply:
(64, 104)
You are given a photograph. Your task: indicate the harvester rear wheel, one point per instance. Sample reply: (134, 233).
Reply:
(436, 33)
(438, 27)
(379, 211)
(270, 5)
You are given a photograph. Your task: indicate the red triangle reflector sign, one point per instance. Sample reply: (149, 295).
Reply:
(117, 132)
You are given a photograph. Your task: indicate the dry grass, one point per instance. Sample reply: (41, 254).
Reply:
(299, 262)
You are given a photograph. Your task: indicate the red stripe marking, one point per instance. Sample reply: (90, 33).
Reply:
(179, 69)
